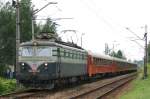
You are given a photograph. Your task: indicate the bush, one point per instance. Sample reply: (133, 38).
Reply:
(7, 85)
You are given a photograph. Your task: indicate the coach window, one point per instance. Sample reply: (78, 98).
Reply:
(75, 56)
(61, 52)
(100, 61)
(97, 61)
(106, 62)
(81, 56)
(103, 62)
(54, 52)
(64, 53)
(123, 63)
(69, 55)
(78, 55)
(110, 61)
(85, 56)
(94, 60)
(118, 63)
(72, 52)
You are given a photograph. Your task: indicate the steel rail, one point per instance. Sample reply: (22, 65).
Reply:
(99, 90)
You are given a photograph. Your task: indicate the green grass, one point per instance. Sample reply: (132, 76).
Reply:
(7, 85)
(140, 88)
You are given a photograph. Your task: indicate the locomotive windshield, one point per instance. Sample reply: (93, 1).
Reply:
(43, 51)
(35, 51)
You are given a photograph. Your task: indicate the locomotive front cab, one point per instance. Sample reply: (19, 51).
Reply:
(37, 63)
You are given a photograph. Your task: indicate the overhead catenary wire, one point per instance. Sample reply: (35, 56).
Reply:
(97, 15)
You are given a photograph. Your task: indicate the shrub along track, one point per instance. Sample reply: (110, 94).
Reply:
(92, 90)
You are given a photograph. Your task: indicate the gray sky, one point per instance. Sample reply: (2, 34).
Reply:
(102, 21)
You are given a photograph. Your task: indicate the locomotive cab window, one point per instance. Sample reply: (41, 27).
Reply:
(43, 51)
(35, 51)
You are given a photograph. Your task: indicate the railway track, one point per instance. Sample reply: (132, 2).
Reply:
(104, 90)
(92, 90)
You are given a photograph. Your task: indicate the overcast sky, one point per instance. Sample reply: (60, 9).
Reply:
(102, 21)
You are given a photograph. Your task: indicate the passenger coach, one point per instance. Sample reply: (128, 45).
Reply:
(104, 64)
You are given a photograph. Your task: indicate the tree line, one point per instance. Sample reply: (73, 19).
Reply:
(8, 30)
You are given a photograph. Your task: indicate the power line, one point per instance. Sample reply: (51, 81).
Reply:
(134, 33)
(138, 43)
(97, 15)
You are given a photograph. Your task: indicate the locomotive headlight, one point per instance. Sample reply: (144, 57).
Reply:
(22, 64)
(45, 64)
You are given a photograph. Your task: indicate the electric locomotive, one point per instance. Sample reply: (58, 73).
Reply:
(45, 63)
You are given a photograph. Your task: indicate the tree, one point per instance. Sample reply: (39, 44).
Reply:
(7, 34)
(8, 29)
(118, 54)
(49, 26)
(25, 19)
(49, 29)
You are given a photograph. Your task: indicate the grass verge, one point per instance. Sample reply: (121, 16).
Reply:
(7, 85)
(140, 88)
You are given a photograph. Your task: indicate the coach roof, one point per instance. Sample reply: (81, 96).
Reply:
(107, 57)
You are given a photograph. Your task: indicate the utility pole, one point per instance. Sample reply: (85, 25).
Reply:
(81, 38)
(17, 35)
(145, 49)
(106, 49)
(16, 5)
(145, 56)
(32, 20)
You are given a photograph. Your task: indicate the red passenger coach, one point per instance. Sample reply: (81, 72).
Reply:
(98, 64)
(104, 64)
